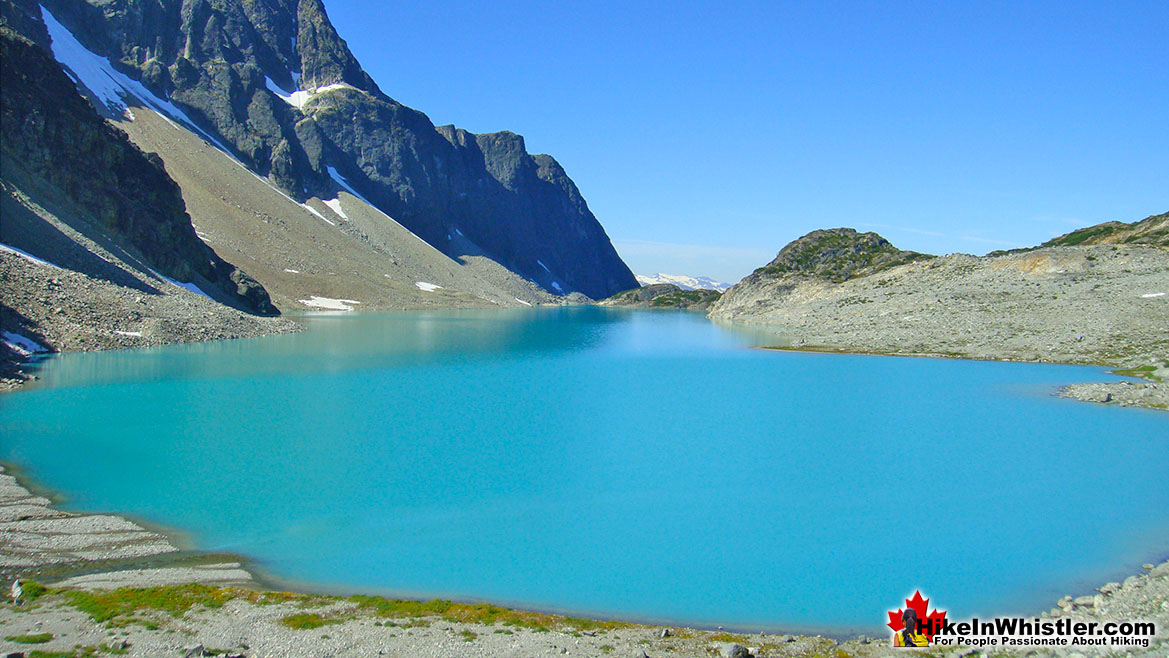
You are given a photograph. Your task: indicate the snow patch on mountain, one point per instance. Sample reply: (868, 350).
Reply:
(335, 206)
(300, 97)
(341, 180)
(189, 286)
(328, 303)
(22, 345)
(33, 259)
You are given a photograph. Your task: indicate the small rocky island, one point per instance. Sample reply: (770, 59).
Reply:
(664, 295)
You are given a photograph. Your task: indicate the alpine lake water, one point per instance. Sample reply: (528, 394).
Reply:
(637, 465)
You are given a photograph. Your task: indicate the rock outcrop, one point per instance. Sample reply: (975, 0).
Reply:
(1152, 230)
(836, 255)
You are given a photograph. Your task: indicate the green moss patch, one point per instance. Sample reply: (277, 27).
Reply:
(308, 621)
(32, 590)
(1145, 372)
(37, 638)
(78, 652)
(118, 607)
(476, 613)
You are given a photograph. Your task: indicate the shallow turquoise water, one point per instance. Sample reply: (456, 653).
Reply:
(641, 465)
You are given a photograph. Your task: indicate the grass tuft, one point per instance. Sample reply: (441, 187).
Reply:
(32, 590)
(1145, 372)
(37, 638)
(727, 637)
(475, 613)
(307, 621)
(78, 652)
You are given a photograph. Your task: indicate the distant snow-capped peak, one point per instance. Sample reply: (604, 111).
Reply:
(684, 282)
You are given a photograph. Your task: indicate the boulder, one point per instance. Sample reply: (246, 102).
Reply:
(732, 650)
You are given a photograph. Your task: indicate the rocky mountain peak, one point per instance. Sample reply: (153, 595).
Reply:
(837, 254)
(324, 57)
(275, 85)
(505, 155)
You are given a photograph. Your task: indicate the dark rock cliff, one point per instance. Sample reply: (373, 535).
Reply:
(232, 64)
(52, 133)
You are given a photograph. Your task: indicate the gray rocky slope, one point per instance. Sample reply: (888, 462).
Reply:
(840, 290)
(52, 136)
(96, 238)
(343, 250)
(233, 66)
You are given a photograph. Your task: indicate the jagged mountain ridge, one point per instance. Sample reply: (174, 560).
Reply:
(97, 250)
(276, 85)
(333, 253)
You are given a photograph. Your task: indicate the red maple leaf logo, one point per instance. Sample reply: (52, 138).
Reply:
(931, 623)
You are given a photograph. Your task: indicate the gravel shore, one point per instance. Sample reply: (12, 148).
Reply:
(65, 311)
(1123, 394)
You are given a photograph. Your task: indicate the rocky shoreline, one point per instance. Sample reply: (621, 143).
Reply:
(50, 307)
(1104, 305)
(119, 588)
(664, 296)
(1090, 305)
(1123, 394)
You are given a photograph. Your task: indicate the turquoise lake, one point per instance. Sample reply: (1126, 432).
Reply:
(638, 465)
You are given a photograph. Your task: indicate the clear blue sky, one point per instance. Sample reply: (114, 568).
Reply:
(705, 136)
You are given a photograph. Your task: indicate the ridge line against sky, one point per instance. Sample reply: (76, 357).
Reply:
(945, 127)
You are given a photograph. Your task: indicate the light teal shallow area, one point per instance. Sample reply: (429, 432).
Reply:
(631, 464)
